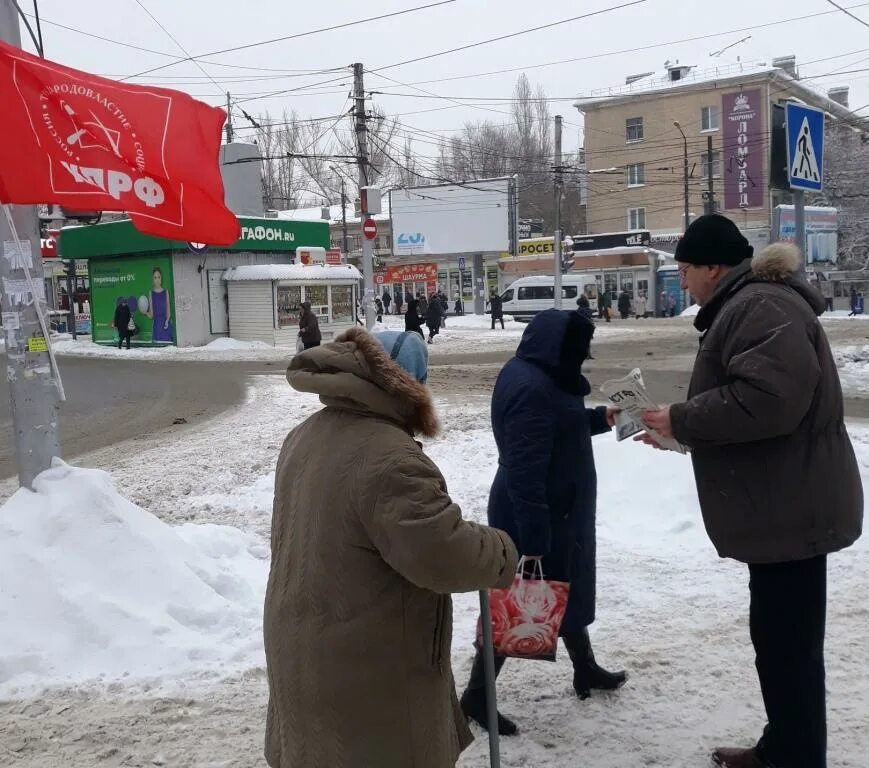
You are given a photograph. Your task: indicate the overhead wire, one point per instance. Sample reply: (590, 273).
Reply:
(848, 13)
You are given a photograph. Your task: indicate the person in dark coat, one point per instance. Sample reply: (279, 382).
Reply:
(434, 317)
(378, 309)
(584, 309)
(625, 305)
(122, 323)
(496, 304)
(387, 300)
(459, 307)
(605, 305)
(545, 491)
(309, 327)
(445, 307)
(399, 302)
(412, 320)
(777, 479)
(422, 305)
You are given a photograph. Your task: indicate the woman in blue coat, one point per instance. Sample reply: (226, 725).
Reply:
(545, 491)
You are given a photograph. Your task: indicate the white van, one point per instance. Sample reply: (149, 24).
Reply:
(530, 295)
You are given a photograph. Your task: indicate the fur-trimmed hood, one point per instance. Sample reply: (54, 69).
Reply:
(355, 373)
(776, 262)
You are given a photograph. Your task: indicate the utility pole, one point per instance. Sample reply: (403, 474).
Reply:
(687, 191)
(558, 169)
(229, 133)
(361, 120)
(33, 389)
(800, 227)
(710, 170)
(343, 218)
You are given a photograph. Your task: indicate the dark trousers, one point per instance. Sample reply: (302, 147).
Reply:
(497, 319)
(310, 344)
(788, 619)
(122, 335)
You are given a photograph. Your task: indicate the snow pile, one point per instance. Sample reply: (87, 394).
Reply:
(853, 364)
(225, 349)
(691, 311)
(228, 344)
(94, 587)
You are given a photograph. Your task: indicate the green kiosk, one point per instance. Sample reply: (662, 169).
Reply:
(176, 291)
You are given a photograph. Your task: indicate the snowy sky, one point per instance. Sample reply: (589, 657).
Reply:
(202, 26)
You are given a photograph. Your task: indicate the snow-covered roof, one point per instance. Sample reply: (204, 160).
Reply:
(301, 272)
(316, 214)
(657, 81)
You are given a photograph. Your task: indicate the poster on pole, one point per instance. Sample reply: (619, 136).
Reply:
(145, 285)
(466, 218)
(744, 148)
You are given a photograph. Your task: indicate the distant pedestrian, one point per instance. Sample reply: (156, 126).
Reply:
(625, 305)
(605, 305)
(434, 316)
(664, 304)
(857, 304)
(399, 302)
(122, 322)
(309, 327)
(671, 305)
(584, 309)
(826, 287)
(459, 307)
(497, 306)
(445, 307)
(378, 308)
(422, 309)
(412, 320)
(640, 305)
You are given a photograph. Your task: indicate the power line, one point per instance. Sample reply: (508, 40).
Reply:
(509, 36)
(848, 13)
(331, 28)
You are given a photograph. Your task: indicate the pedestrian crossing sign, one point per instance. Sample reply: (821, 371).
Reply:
(805, 130)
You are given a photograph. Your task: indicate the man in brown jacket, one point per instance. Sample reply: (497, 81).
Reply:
(776, 474)
(366, 548)
(309, 327)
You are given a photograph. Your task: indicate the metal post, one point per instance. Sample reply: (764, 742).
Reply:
(32, 386)
(710, 184)
(229, 133)
(489, 668)
(480, 293)
(685, 173)
(800, 226)
(70, 290)
(344, 220)
(362, 158)
(557, 233)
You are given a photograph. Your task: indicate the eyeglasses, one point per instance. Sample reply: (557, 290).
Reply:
(683, 270)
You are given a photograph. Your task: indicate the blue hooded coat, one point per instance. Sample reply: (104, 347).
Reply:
(545, 491)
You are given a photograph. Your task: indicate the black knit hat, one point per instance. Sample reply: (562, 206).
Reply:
(711, 240)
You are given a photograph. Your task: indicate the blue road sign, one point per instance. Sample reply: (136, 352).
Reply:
(805, 129)
(461, 263)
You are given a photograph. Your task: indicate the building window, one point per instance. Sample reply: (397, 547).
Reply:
(634, 129)
(611, 282)
(636, 175)
(289, 305)
(318, 297)
(716, 164)
(636, 218)
(709, 119)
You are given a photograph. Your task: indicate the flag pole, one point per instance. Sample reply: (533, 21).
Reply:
(489, 667)
(33, 389)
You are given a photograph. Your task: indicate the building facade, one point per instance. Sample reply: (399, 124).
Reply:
(642, 140)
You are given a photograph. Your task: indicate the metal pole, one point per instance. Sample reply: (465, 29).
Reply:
(32, 386)
(362, 158)
(489, 668)
(70, 291)
(687, 199)
(557, 234)
(344, 219)
(710, 184)
(800, 226)
(229, 134)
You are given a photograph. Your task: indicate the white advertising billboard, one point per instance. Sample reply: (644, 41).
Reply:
(472, 217)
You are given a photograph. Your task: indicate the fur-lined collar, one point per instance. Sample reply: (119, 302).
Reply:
(355, 372)
(777, 262)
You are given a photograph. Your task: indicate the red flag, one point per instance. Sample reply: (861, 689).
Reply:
(89, 143)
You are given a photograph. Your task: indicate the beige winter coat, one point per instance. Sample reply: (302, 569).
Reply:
(366, 547)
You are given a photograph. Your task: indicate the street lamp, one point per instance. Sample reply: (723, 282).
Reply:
(685, 141)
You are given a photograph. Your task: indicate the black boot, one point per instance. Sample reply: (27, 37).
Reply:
(587, 675)
(473, 700)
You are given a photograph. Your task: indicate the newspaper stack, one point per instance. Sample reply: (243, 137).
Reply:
(630, 396)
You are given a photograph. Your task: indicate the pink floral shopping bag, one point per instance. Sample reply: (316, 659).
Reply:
(527, 615)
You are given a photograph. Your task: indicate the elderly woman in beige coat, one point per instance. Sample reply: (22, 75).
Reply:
(366, 548)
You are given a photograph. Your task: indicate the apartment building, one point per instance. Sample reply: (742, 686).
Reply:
(637, 137)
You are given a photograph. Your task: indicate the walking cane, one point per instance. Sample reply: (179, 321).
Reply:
(489, 667)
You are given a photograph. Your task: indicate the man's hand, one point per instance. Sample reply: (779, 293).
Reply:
(647, 439)
(659, 420)
(611, 412)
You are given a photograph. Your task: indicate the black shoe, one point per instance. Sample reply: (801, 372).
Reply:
(587, 675)
(473, 705)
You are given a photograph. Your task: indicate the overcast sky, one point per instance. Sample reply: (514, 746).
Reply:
(202, 26)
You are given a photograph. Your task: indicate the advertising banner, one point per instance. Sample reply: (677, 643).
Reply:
(744, 147)
(409, 273)
(145, 284)
(822, 231)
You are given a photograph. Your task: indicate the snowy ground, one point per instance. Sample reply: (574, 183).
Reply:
(853, 363)
(146, 628)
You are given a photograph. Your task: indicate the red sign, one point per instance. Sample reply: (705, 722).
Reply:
(49, 244)
(408, 273)
(333, 256)
(369, 229)
(86, 142)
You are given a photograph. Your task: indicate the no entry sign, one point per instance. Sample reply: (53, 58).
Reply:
(369, 229)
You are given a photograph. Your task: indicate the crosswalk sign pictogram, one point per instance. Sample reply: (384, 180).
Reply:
(805, 130)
